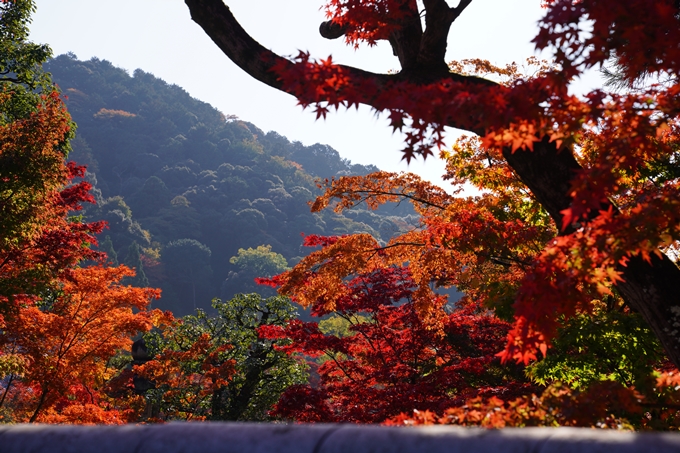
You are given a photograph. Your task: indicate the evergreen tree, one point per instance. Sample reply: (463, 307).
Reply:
(133, 260)
(106, 246)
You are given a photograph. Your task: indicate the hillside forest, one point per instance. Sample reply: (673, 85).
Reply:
(183, 187)
(162, 261)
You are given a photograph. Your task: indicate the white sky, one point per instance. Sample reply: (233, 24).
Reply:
(159, 37)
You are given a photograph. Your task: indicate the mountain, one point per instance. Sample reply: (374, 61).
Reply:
(184, 187)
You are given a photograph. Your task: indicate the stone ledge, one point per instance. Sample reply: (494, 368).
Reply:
(345, 438)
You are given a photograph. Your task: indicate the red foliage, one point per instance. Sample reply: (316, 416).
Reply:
(617, 138)
(314, 240)
(391, 359)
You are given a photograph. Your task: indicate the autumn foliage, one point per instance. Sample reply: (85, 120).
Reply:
(39, 240)
(65, 342)
(575, 228)
(390, 359)
(63, 315)
(573, 237)
(594, 177)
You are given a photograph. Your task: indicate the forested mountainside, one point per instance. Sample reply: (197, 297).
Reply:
(184, 187)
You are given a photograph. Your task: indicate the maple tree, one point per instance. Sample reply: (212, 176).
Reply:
(600, 170)
(483, 245)
(66, 339)
(39, 239)
(388, 360)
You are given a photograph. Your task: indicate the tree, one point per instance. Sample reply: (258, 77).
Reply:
(39, 239)
(66, 340)
(106, 246)
(260, 261)
(21, 59)
(391, 360)
(133, 260)
(218, 367)
(187, 261)
(593, 164)
(252, 263)
(152, 197)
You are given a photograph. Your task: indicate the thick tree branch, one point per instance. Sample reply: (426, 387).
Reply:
(438, 19)
(405, 41)
(548, 173)
(222, 27)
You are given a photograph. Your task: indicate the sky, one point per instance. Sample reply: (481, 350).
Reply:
(159, 37)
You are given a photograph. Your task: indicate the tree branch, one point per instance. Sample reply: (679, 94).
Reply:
(222, 27)
(331, 30)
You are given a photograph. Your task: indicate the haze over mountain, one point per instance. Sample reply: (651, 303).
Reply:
(190, 186)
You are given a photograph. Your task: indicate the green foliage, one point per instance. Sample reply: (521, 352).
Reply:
(262, 371)
(250, 264)
(150, 198)
(608, 345)
(122, 228)
(339, 325)
(260, 261)
(21, 60)
(106, 246)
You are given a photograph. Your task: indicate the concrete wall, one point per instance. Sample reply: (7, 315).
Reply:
(279, 438)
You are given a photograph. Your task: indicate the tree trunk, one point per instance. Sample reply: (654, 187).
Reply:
(649, 288)
(43, 397)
